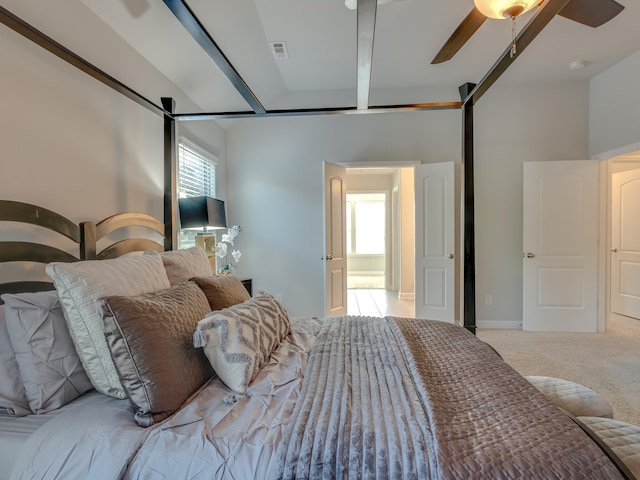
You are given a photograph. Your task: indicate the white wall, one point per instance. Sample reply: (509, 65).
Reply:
(275, 182)
(77, 147)
(614, 102)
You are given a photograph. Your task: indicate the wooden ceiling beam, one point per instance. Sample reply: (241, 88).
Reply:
(366, 14)
(191, 23)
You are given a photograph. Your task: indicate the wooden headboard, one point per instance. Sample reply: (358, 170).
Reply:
(86, 235)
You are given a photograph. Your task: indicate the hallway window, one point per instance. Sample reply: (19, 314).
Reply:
(366, 217)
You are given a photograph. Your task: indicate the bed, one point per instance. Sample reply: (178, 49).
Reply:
(146, 365)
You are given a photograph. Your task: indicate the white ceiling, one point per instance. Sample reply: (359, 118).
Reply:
(321, 39)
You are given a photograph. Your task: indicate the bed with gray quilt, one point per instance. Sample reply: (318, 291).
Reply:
(150, 366)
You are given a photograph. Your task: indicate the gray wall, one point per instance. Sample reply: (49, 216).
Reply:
(614, 120)
(275, 183)
(77, 147)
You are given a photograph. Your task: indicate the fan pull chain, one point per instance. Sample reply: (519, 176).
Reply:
(513, 37)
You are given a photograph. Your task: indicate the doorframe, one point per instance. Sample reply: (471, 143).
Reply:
(605, 315)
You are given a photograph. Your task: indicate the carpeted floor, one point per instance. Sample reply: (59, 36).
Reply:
(608, 363)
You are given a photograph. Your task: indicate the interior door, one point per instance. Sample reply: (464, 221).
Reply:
(435, 242)
(625, 243)
(335, 251)
(560, 246)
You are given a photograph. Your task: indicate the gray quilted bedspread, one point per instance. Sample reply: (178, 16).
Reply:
(406, 398)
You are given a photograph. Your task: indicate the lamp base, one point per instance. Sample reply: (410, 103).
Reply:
(207, 242)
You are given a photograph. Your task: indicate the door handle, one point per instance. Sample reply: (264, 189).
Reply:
(614, 250)
(528, 255)
(328, 257)
(450, 256)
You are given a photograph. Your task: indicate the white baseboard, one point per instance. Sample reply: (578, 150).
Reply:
(406, 296)
(507, 324)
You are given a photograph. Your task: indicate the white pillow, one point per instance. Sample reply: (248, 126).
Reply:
(80, 285)
(47, 359)
(239, 340)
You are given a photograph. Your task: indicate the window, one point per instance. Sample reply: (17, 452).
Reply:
(196, 177)
(366, 215)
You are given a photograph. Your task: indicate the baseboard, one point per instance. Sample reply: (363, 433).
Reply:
(499, 324)
(406, 296)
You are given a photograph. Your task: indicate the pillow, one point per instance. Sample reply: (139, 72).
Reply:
(150, 340)
(181, 265)
(239, 340)
(47, 360)
(80, 284)
(13, 398)
(223, 291)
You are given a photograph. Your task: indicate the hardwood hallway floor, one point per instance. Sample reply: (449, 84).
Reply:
(377, 302)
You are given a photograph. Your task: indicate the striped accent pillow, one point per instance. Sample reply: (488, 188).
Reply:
(239, 340)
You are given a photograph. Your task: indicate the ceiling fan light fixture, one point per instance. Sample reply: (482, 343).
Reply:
(501, 9)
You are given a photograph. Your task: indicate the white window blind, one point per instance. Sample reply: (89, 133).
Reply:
(196, 172)
(196, 177)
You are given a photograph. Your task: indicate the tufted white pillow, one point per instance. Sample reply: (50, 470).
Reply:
(239, 340)
(80, 285)
(47, 360)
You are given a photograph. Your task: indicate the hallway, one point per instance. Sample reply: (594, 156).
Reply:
(378, 302)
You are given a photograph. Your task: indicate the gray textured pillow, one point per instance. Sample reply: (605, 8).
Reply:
(150, 338)
(47, 360)
(239, 340)
(222, 291)
(80, 285)
(181, 265)
(13, 398)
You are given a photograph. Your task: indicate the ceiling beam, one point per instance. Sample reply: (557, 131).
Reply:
(416, 107)
(36, 36)
(366, 13)
(543, 16)
(184, 14)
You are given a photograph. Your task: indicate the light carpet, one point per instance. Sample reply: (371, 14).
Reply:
(608, 363)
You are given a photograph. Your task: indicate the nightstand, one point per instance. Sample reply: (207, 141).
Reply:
(247, 284)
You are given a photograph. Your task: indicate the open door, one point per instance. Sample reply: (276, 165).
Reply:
(436, 246)
(335, 252)
(560, 246)
(625, 243)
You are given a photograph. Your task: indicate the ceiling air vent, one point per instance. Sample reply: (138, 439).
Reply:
(279, 50)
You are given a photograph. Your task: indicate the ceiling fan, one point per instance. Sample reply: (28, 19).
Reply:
(592, 13)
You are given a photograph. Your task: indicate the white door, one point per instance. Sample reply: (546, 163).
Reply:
(625, 244)
(435, 242)
(560, 246)
(335, 246)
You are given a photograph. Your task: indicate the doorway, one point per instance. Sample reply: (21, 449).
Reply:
(377, 257)
(623, 252)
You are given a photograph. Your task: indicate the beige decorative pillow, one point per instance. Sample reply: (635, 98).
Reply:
(181, 265)
(239, 340)
(80, 285)
(150, 339)
(222, 291)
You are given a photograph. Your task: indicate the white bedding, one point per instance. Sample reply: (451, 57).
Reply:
(15, 431)
(80, 442)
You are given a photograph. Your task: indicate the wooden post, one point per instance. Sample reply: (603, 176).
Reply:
(170, 190)
(469, 315)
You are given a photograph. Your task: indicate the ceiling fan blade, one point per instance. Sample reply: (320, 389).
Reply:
(592, 13)
(460, 36)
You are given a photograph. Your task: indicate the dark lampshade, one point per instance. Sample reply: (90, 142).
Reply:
(198, 212)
